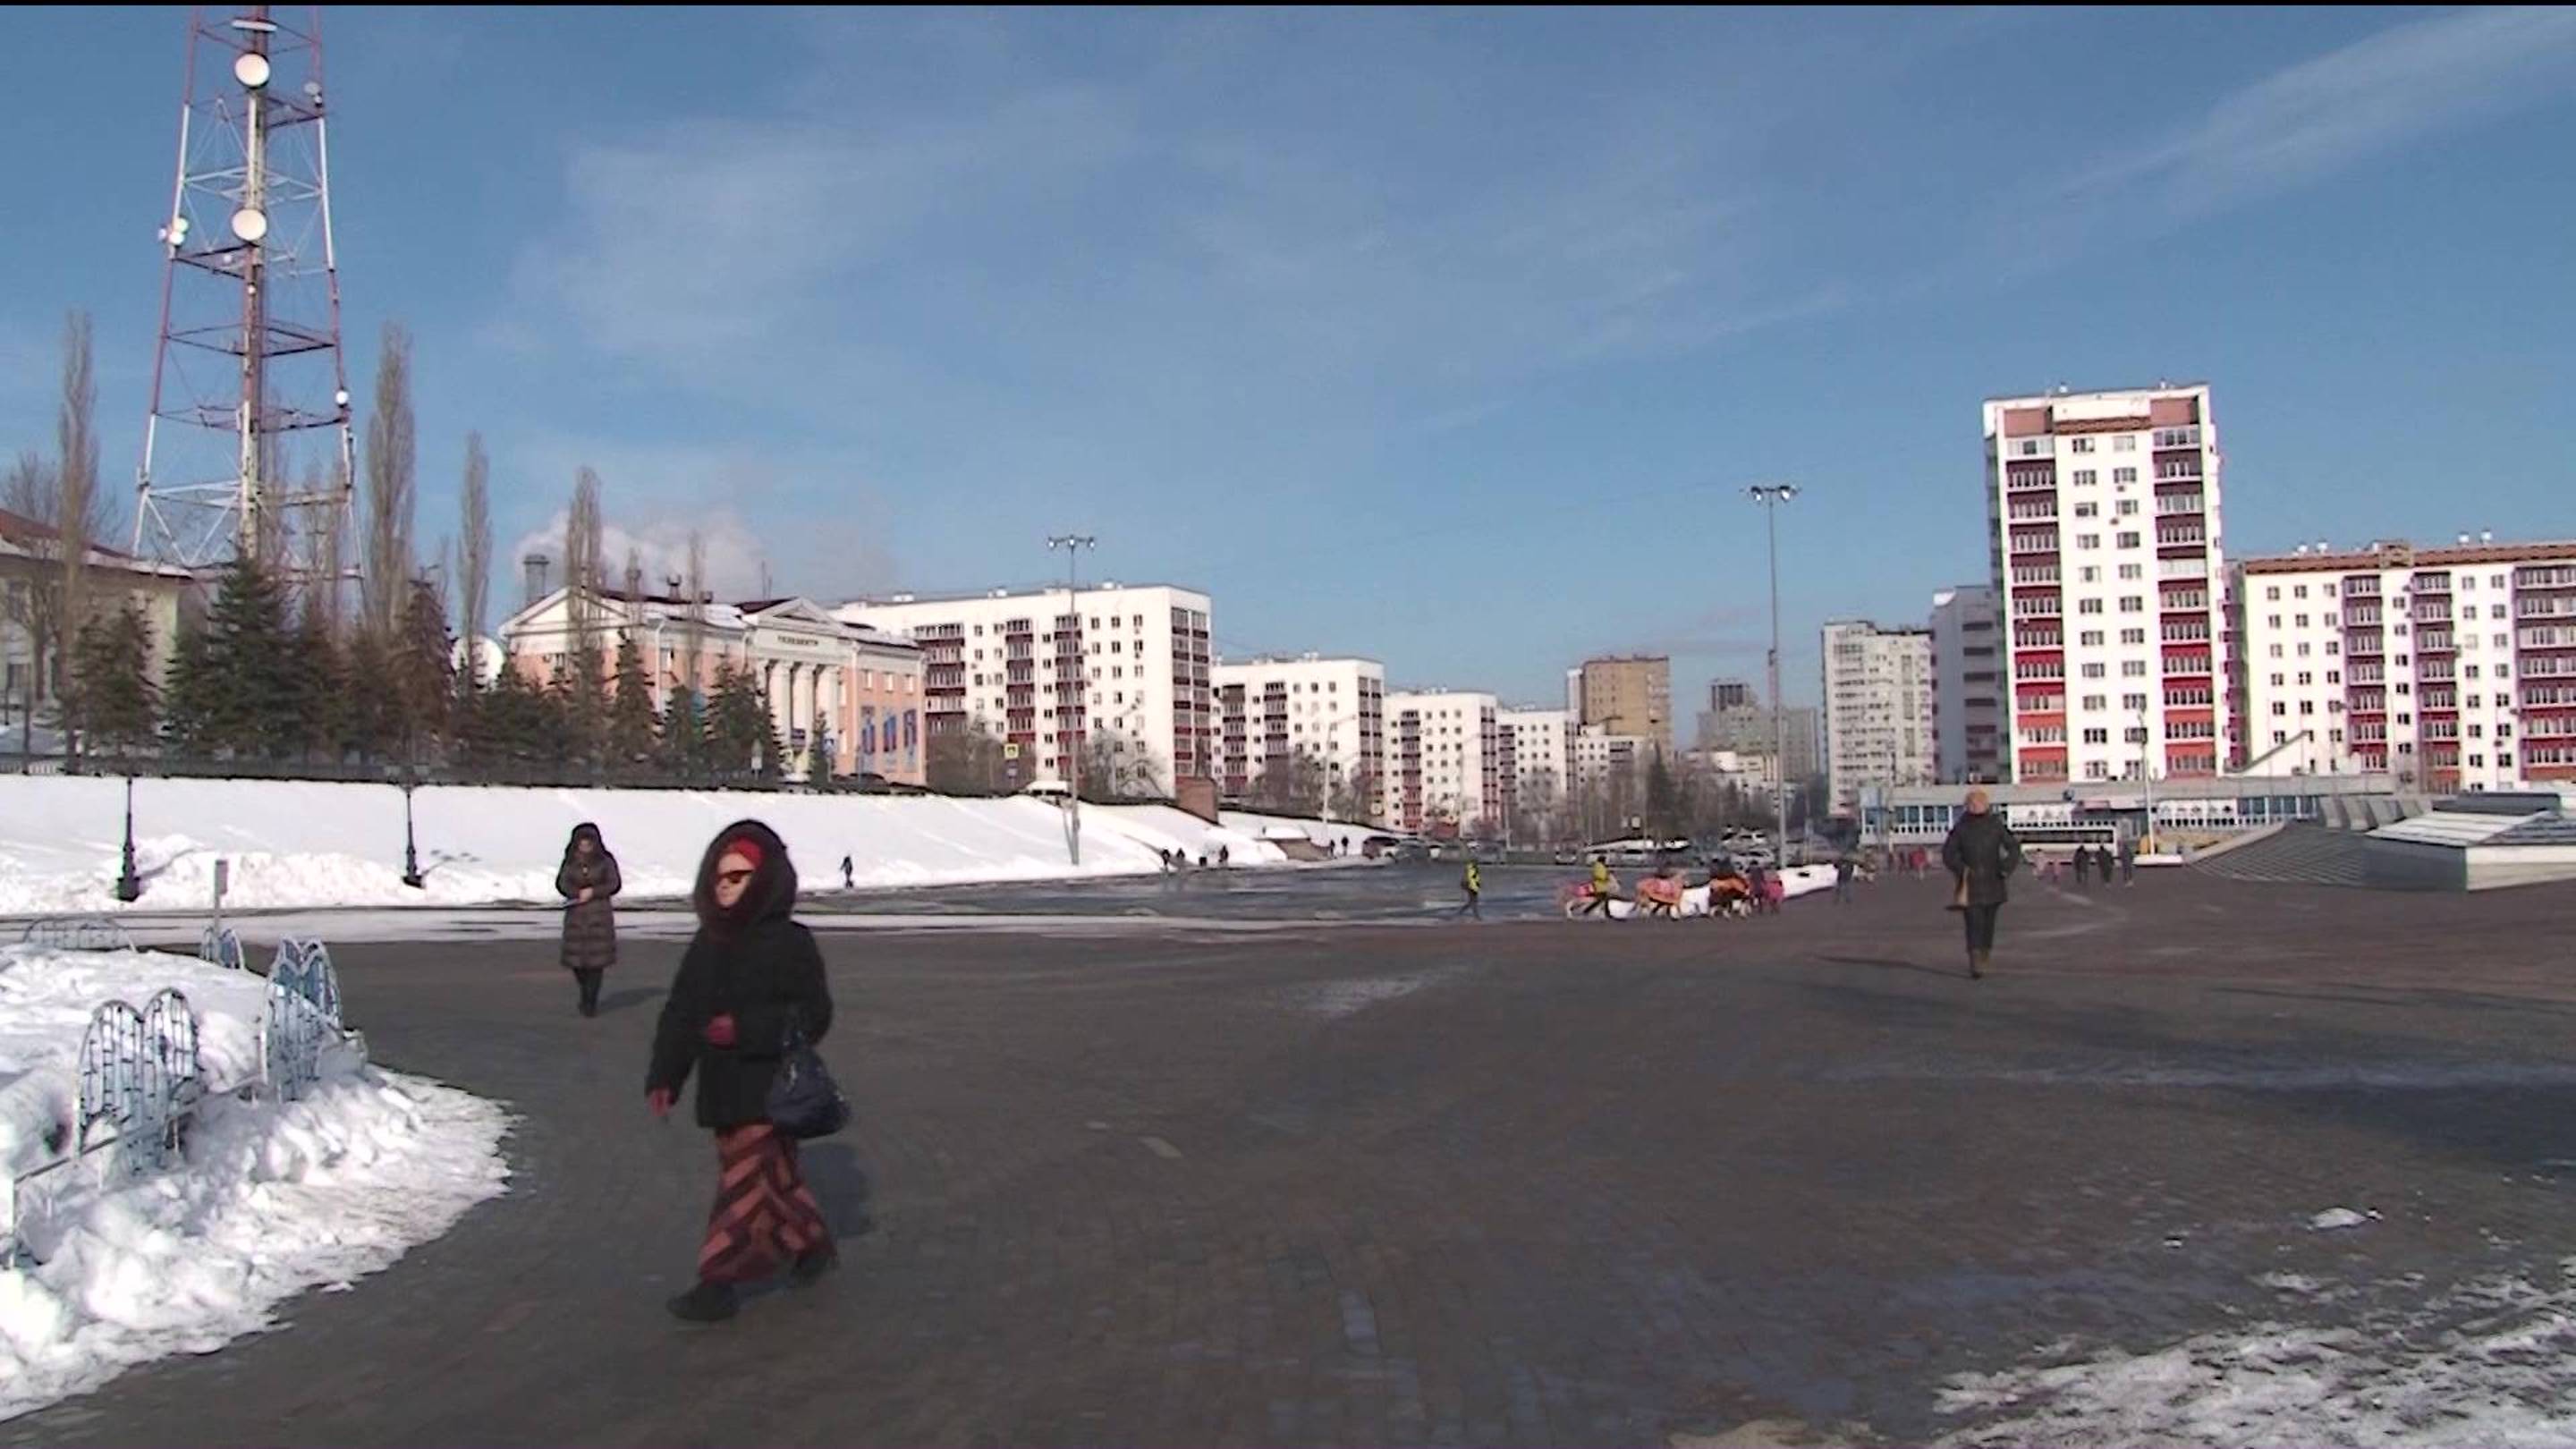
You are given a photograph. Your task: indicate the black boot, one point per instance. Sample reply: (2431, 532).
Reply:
(705, 1303)
(813, 1264)
(1977, 964)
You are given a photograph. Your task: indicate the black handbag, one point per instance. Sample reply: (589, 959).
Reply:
(804, 1101)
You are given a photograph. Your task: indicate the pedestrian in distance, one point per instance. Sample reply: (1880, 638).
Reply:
(1224, 856)
(1844, 869)
(1473, 882)
(750, 989)
(2083, 866)
(2128, 860)
(1604, 889)
(1757, 877)
(1980, 854)
(589, 883)
(849, 874)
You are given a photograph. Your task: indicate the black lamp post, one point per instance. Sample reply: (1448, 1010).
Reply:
(411, 851)
(129, 886)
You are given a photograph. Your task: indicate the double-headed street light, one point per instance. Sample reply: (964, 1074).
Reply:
(1771, 496)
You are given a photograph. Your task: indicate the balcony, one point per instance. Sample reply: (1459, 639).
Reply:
(2364, 645)
(2361, 616)
(2040, 510)
(2023, 479)
(2361, 587)
(2181, 537)
(2166, 438)
(2431, 672)
(2545, 607)
(2177, 472)
(2028, 574)
(2169, 504)
(2434, 641)
(2552, 576)
(2363, 674)
(2187, 666)
(2190, 601)
(2186, 633)
(2035, 542)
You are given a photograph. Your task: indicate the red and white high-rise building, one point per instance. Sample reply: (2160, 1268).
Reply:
(2450, 668)
(2104, 519)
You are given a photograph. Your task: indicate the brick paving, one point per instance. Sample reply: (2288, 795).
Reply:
(1529, 1183)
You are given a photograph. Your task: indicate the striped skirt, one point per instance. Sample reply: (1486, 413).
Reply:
(764, 1214)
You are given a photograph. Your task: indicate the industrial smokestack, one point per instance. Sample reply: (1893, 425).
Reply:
(538, 570)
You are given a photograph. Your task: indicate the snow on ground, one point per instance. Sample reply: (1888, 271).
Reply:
(297, 844)
(271, 1200)
(2482, 1364)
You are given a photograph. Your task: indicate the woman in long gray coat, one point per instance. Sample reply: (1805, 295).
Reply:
(588, 882)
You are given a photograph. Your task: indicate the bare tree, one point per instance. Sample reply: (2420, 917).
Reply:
(582, 564)
(694, 612)
(392, 463)
(474, 545)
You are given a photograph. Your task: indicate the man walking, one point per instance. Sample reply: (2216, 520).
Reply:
(1844, 868)
(1474, 884)
(2128, 860)
(1980, 853)
(2083, 865)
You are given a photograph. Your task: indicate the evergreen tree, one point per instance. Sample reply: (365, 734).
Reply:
(185, 729)
(683, 751)
(424, 675)
(371, 709)
(581, 700)
(631, 725)
(246, 694)
(118, 705)
(818, 760)
(741, 739)
(325, 713)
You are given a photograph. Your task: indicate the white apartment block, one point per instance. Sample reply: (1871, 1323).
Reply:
(2103, 512)
(2453, 669)
(1601, 758)
(1449, 761)
(1273, 708)
(1967, 685)
(1542, 743)
(1041, 668)
(1878, 708)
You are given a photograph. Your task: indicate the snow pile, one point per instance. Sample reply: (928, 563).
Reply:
(2484, 1364)
(2342, 1217)
(295, 844)
(271, 1200)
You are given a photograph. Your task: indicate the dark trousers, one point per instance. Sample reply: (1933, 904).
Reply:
(1981, 926)
(1471, 908)
(589, 982)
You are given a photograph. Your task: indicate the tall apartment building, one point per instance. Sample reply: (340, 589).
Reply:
(1449, 762)
(1968, 685)
(1878, 708)
(1629, 695)
(1273, 708)
(2104, 519)
(2451, 668)
(1043, 669)
(1542, 742)
(1737, 722)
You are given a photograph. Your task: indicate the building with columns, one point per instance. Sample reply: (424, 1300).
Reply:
(860, 688)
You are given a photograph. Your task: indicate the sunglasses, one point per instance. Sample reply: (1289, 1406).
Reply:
(732, 877)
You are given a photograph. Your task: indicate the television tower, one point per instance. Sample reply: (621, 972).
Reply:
(250, 389)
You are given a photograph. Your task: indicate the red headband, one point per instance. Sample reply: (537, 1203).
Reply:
(746, 847)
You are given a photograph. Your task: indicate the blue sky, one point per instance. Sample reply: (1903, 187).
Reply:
(1451, 339)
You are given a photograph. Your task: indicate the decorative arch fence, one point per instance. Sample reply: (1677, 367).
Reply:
(140, 1076)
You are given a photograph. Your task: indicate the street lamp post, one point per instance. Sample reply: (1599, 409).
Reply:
(1771, 496)
(129, 886)
(411, 852)
(1073, 544)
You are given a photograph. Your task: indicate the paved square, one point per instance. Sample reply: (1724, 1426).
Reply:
(1521, 1183)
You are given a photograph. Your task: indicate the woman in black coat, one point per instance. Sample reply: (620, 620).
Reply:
(588, 882)
(1980, 854)
(750, 983)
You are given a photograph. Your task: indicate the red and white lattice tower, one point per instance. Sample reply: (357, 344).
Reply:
(247, 448)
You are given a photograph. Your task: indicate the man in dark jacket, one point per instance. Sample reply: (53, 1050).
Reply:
(750, 986)
(1980, 853)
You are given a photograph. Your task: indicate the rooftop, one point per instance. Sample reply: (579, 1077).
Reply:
(910, 598)
(2062, 390)
(2398, 554)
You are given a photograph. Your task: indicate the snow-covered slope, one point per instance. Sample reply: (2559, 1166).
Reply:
(312, 844)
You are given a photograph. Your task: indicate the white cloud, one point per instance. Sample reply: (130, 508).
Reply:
(2333, 112)
(736, 563)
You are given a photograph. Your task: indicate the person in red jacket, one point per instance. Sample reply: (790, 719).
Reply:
(749, 986)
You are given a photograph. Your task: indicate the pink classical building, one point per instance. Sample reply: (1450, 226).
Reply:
(860, 687)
